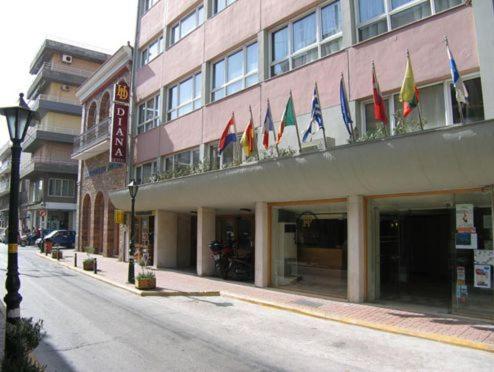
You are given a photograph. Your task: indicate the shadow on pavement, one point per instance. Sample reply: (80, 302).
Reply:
(48, 356)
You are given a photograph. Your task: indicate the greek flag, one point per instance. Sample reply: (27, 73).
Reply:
(461, 90)
(316, 117)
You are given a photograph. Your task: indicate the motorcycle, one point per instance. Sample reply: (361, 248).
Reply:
(27, 239)
(227, 263)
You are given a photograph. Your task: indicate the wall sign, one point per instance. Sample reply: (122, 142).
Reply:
(118, 147)
(482, 276)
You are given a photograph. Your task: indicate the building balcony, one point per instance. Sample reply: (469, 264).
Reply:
(40, 164)
(58, 73)
(40, 133)
(450, 157)
(4, 188)
(47, 103)
(93, 141)
(5, 167)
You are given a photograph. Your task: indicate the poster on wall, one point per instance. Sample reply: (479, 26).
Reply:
(482, 276)
(464, 218)
(466, 240)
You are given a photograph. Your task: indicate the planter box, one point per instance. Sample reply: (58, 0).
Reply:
(88, 265)
(57, 254)
(146, 283)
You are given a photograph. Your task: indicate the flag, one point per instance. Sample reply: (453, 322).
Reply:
(247, 140)
(228, 136)
(316, 116)
(267, 127)
(409, 94)
(461, 90)
(345, 111)
(287, 119)
(379, 107)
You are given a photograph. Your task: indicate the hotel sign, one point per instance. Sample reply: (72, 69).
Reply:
(121, 99)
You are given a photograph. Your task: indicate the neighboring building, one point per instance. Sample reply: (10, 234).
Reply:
(97, 175)
(49, 178)
(372, 220)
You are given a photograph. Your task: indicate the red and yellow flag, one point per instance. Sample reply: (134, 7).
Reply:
(409, 94)
(247, 140)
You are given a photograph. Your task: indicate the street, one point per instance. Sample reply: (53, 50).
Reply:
(92, 326)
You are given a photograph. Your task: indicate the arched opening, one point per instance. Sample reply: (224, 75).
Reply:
(104, 107)
(85, 222)
(111, 232)
(98, 223)
(91, 115)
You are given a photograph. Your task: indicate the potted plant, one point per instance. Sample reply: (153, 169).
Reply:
(88, 263)
(56, 253)
(146, 278)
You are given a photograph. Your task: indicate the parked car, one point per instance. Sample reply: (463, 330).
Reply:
(64, 238)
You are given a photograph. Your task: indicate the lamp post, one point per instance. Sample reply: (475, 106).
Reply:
(18, 120)
(133, 188)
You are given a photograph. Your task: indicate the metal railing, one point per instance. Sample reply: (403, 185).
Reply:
(52, 98)
(31, 132)
(92, 136)
(65, 69)
(5, 166)
(28, 167)
(4, 186)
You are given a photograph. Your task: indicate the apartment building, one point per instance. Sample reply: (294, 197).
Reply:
(400, 216)
(97, 174)
(49, 178)
(5, 166)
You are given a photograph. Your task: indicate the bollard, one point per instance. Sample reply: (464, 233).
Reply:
(95, 266)
(75, 259)
(58, 254)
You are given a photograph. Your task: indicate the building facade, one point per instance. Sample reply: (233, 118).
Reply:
(400, 216)
(97, 175)
(49, 179)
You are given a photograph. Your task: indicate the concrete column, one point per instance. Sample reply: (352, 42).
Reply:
(356, 249)
(206, 83)
(165, 239)
(348, 24)
(484, 14)
(206, 232)
(184, 241)
(263, 60)
(262, 245)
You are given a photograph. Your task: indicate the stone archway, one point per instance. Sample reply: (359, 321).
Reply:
(85, 222)
(98, 222)
(112, 242)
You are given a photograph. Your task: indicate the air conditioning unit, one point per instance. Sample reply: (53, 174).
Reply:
(65, 88)
(66, 59)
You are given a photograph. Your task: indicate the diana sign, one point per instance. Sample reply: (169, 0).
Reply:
(118, 149)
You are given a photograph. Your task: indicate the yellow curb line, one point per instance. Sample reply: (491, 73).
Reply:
(151, 293)
(376, 326)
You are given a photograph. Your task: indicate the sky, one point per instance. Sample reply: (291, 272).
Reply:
(104, 25)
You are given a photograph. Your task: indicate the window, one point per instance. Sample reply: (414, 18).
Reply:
(149, 114)
(148, 4)
(185, 97)
(173, 163)
(145, 172)
(187, 24)
(474, 111)
(219, 5)
(235, 72)
(154, 49)
(378, 16)
(61, 187)
(304, 40)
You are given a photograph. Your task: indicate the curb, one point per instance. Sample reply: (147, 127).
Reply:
(451, 340)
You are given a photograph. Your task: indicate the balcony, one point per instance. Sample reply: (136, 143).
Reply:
(92, 142)
(47, 103)
(5, 167)
(39, 164)
(4, 187)
(59, 73)
(47, 132)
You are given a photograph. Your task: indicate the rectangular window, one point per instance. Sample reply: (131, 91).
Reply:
(235, 72)
(379, 16)
(61, 187)
(148, 4)
(304, 40)
(474, 110)
(179, 161)
(187, 24)
(153, 50)
(219, 5)
(148, 116)
(185, 97)
(144, 173)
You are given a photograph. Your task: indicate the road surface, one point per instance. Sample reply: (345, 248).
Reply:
(92, 326)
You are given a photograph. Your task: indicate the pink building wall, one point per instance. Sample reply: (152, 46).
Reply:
(152, 22)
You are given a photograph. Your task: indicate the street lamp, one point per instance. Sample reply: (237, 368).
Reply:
(18, 120)
(133, 188)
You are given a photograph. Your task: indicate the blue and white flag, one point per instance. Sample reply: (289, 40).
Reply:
(345, 111)
(316, 117)
(461, 90)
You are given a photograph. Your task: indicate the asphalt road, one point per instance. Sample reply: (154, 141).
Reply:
(92, 326)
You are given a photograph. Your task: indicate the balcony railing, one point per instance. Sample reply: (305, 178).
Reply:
(92, 136)
(5, 166)
(51, 98)
(4, 186)
(65, 69)
(48, 161)
(31, 132)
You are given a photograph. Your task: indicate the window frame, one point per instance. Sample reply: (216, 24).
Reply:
(155, 120)
(68, 182)
(148, 5)
(319, 43)
(144, 52)
(243, 78)
(193, 101)
(190, 151)
(178, 24)
(140, 168)
(227, 4)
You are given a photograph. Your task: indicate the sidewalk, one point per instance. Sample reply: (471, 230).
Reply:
(438, 327)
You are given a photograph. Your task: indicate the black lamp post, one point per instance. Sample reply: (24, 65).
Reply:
(133, 188)
(18, 120)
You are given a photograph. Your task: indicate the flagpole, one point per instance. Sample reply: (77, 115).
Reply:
(236, 139)
(460, 108)
(348, 125)
(418, 103)
(255, 149)
(374, 80)
(323, 128)
(296, 123)
(274, 130)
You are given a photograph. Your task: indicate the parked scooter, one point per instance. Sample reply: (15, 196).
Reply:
(228, 264)
(27, 239)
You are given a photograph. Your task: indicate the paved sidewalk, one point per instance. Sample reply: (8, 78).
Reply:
(439, 327)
